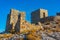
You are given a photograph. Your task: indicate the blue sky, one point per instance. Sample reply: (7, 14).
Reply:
(28, 6)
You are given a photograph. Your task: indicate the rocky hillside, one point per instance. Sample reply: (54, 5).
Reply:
(50, 31)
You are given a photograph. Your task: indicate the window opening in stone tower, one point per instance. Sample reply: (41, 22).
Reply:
(43, 14)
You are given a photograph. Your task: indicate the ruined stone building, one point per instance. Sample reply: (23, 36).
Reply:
(37, 15)
(40, 15)
(14, 20)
